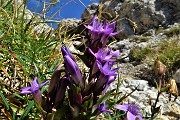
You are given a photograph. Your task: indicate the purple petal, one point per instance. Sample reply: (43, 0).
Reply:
(115, 33)
(139, 116)
(130, 116)
(108, 31)
(113, 71)
(102, 54)
(89, 27)
(99, 64)
(65, 51)
(102, 108)
(106, 69)
(110, 80)
(95, 18)
(121, 107)
(112, 25)
(26, 90)
(35, 82)
(73, 69)
(92, 52)
(114, 53)
(42, 84)
(34, 85)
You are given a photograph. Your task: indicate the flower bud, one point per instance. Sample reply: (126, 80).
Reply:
(159, 68)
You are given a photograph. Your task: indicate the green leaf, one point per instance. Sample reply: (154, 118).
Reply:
(125, 96)
(17, 95)
(4, 101)
(155, 111)
(157, 85)
(8, 107)
(164, 89)
(102, 99)
(26, 111)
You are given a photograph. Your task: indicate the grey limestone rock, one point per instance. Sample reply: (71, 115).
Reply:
(145, 14)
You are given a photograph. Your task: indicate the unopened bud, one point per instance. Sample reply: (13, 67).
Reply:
(159, 68)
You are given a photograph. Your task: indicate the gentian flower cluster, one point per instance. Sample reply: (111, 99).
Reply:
(83, 91)
(76, 94)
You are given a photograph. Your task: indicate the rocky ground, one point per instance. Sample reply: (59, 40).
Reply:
(141, 76)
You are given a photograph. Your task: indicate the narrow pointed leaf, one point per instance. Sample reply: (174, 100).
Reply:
(4, 101)
(102, 99)
(27, 110)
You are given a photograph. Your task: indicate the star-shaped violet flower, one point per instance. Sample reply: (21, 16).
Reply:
(133, 111)
(103, 55)
(106, 77)
(108, 32)
(106, 69)
(95, 27)
(34, 89)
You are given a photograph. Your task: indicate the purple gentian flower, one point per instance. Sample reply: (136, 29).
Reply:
(106, 69)
(106, 77)
(34, 89)
(132, 109)
(65, 51)
(71, 66)
(100, 30)
(72, 69)
(108, 32)
(102, 108)
(103, 55)
(95, 27)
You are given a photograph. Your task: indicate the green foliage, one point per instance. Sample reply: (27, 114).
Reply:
(173, 31)
(27, 110)
(138, 54)
(169, 53)
(24, 53)
(35, 53)
(140, 39)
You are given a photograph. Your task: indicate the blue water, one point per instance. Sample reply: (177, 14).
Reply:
(61, 10)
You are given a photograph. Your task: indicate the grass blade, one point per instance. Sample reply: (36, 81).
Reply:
(27, 110)
(4, 101)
